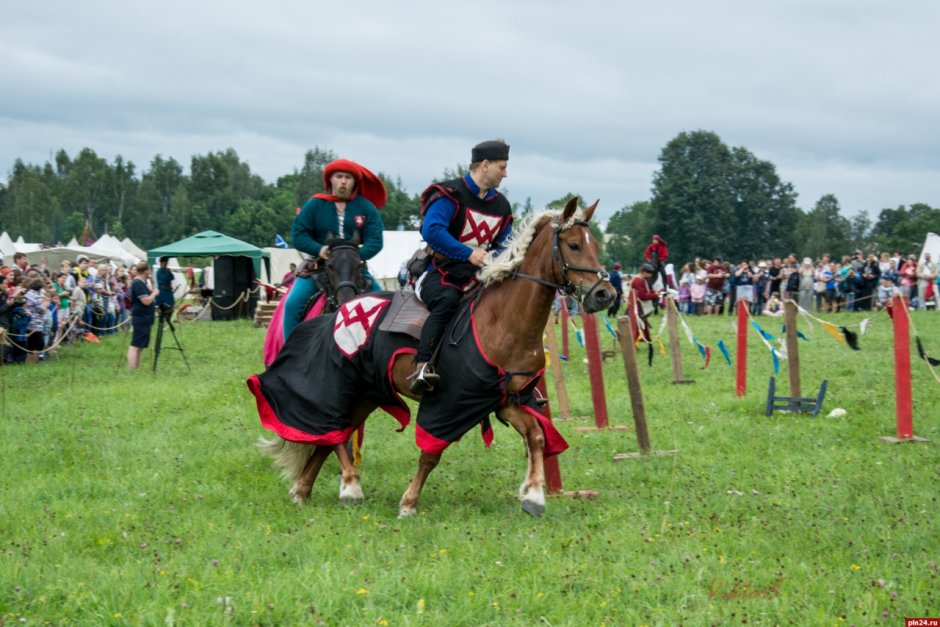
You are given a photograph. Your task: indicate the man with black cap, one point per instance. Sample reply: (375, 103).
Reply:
(463, 220)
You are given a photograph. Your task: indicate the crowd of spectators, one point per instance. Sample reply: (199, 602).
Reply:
(855, 282)
(42, 308)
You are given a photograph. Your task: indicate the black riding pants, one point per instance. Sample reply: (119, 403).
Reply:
(442, 302)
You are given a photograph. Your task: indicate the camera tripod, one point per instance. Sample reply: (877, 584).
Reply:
(164, 316)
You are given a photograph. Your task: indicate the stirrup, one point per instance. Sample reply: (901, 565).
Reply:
(423, 379)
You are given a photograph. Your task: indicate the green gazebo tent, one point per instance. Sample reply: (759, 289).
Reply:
(212, 244)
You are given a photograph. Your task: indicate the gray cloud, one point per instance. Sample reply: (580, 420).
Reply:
(839, 95)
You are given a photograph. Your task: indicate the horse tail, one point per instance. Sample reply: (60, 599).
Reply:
(290, 457)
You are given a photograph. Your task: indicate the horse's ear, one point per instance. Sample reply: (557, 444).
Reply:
(570, 208)
(329, 236)
(356, 238)
(590, 210)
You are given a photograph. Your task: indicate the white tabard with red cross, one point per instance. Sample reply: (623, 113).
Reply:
(355, 321)
(480, 229)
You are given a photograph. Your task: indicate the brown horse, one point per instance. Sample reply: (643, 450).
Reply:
(553, 251)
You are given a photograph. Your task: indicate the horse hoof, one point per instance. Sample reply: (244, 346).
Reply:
(407, 512)
(296, 497)
(533, 508)
(351, 500)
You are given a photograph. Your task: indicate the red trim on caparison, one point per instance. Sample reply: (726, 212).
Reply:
(555, 443)
(428, 443)
(400, 413)
(270, 421)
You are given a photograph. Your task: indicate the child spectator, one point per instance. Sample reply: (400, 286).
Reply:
(697, 295)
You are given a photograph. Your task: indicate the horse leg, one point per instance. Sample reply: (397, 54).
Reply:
(532, 490)
(409, 500)
(350, 491)
(300, 491)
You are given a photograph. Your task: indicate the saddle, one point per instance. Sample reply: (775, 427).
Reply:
(406, 314)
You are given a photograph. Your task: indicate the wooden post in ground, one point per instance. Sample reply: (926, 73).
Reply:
(595, 370)
(564, 326)
(793, 348)
(561, 390)
(628, 350)
(741, 381)
(672, 324)
(553, 485)
(903, 398)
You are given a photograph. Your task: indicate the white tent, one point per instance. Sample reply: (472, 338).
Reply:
(281, 258)
(397, 248)
(22, 247)
(112, 248)
(7, 248)
(133, 248)
(932, 246)
(54, 256)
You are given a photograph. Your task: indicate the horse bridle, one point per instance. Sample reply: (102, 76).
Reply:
(558, 258)
(331, 297)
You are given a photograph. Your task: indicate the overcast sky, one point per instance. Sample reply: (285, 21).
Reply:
(841, 95)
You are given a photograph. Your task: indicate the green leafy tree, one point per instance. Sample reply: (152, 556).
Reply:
(30, 206)
(693, 200)
(86, 189)
(623, 244)
(402, 211)
(860, 232)
(824, 230)
(904, 229)
(766, 215)
(148, 220)
(123, 187)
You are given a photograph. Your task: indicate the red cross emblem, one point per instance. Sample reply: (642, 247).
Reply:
(354, 323)
(480, 229)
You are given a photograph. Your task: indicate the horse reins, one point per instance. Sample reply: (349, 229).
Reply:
(558, 258)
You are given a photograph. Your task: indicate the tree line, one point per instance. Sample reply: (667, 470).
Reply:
(85, 196)
(711, 200)
(708, 199)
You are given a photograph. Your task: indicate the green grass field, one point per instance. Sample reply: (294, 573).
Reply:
(133, 498)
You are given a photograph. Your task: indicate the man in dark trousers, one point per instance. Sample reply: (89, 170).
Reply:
(464, 219)
(617, 281)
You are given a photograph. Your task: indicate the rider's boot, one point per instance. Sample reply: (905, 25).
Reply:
(423, 379)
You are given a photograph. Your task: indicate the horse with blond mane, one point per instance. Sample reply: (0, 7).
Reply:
(339, 369)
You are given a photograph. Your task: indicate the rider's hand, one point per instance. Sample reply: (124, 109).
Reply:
(478, 257)
(325, 252)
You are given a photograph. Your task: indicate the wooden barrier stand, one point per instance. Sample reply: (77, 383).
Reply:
(561, 390)
(628, 350)
(672, 325)
(596, 374)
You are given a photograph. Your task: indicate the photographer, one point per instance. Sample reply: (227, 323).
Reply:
(143, 295)
(165, 284)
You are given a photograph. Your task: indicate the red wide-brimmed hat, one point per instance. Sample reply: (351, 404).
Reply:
(367, 183)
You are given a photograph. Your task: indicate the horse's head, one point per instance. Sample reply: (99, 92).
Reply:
(576, 265)
(343, 280)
